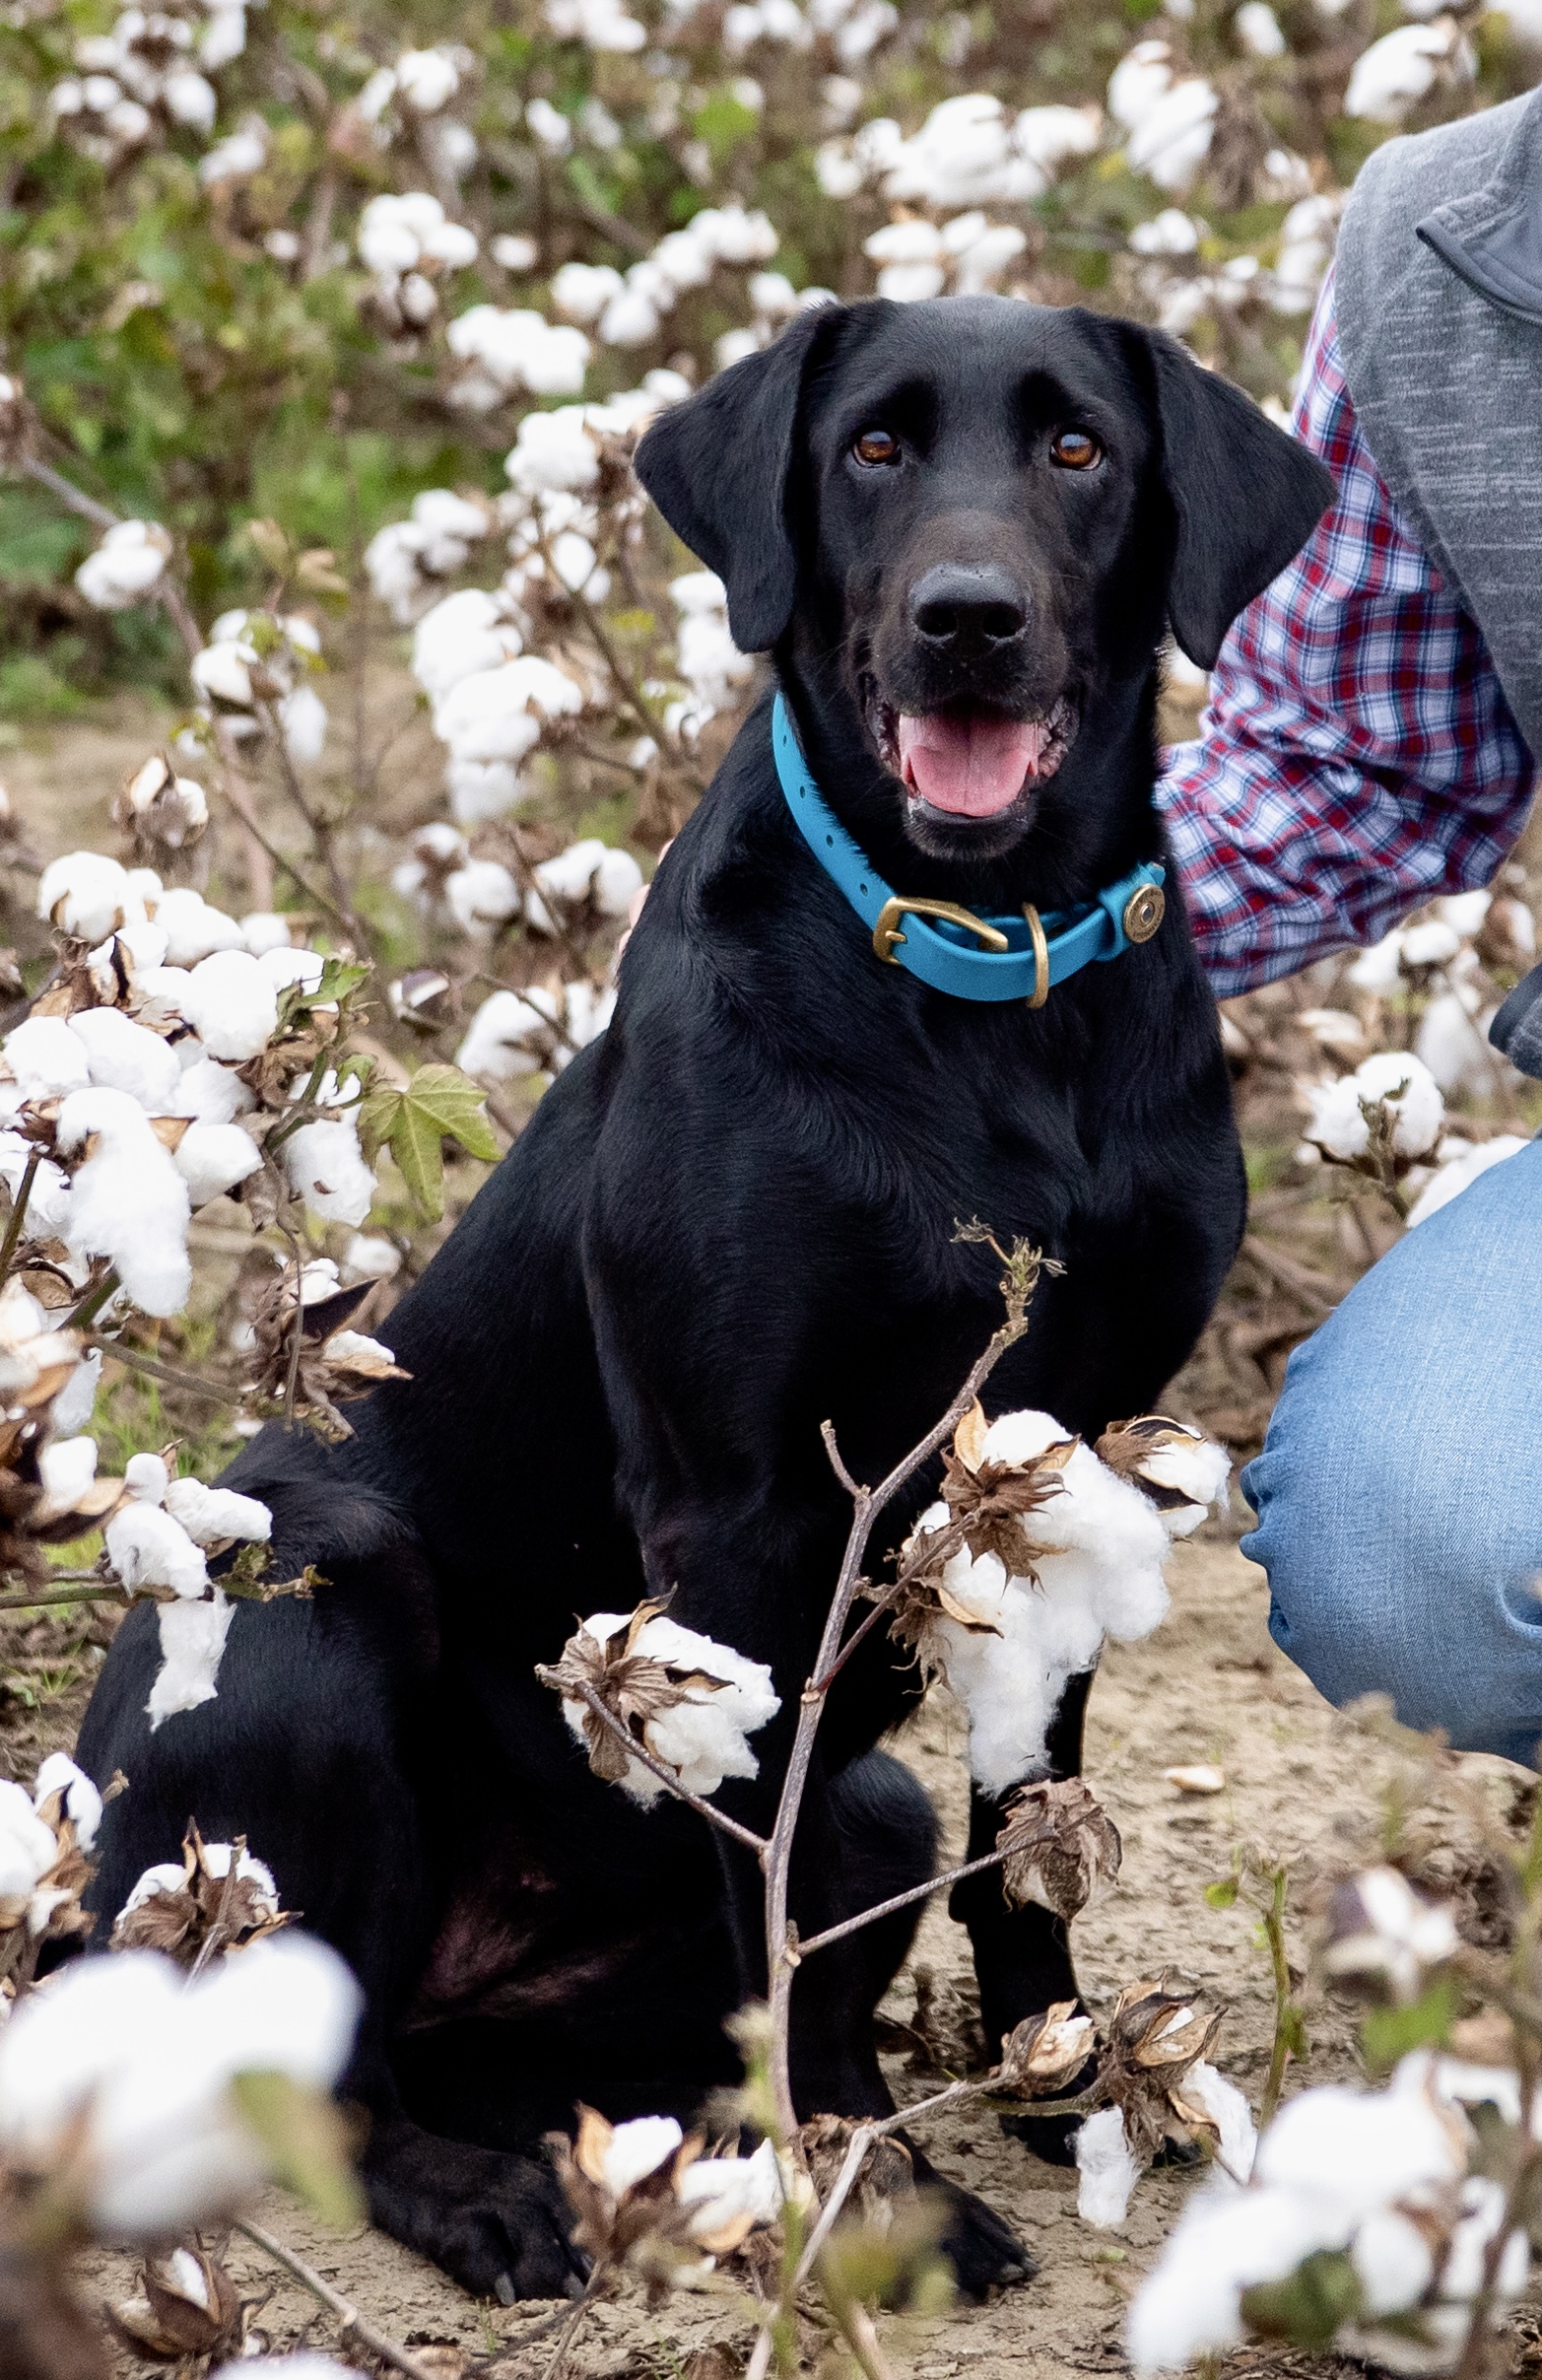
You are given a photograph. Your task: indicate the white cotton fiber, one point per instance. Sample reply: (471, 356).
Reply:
(210, 1515)
(1099, 1569)
(125, 1057)
(46, 1057)
(212, 1158)
(192, 1643)
(129, 1203)
(232, 1005)
(326, 1169)
(212, 1094)
(147, 1548)
(1108, 2172)
(193, 929)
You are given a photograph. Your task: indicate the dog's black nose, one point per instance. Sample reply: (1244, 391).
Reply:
(967, 606)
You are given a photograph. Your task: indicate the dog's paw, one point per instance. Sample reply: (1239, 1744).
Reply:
(495, 2222)
(984, 2252)
(1051, 2139)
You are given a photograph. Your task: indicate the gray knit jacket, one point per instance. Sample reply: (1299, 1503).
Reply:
(1439, 321)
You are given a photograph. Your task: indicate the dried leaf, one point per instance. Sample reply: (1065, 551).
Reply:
(1062, 1847)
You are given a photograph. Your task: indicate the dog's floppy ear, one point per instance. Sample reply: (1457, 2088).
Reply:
(1247, 497)
(716, 466)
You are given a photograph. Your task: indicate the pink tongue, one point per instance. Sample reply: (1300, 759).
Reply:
(975, 766)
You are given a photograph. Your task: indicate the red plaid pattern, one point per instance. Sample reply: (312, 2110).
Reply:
(1357, 755)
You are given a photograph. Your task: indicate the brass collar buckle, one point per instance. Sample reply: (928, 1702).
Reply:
(887, 933)
(1040, 990)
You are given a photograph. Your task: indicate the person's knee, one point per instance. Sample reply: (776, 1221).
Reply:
(1381, 1579)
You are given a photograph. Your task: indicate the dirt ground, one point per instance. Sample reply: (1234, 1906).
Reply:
(1304, 1785)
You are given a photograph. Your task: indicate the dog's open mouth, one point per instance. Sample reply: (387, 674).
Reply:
(970, 762)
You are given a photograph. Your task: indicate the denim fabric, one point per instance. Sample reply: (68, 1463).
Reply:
(1399, 1491)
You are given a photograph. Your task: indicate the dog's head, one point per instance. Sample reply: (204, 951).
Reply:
(981, 514)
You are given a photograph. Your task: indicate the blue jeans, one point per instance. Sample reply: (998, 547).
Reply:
(1399, 1491)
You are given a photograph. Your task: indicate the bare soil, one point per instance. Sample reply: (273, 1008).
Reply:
(1305, 1785)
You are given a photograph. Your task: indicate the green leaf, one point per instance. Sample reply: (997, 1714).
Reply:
(306, 2142)
(1309, 2305)
(439, 1104)
(1223, 1895)
(1387, 2034)
(340, 979)
(1292, 2030)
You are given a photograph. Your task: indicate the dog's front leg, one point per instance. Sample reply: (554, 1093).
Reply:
(831, 2053)
(1022, 1956)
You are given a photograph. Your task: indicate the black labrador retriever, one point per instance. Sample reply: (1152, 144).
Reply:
(961, 528)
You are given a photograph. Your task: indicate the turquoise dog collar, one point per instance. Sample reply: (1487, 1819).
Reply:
(1019, 958)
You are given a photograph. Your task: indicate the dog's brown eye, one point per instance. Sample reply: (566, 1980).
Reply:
(1075, 450)
(876, 446)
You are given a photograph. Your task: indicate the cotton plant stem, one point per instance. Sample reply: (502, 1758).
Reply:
(1280, 2053)
(901, 1900)
(41, 1599)
(168, 1374)
(782, 1952)
(13, 1229)
(353, 2325)
(91, 1303)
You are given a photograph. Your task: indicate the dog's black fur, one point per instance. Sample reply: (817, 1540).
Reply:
(731, 1217)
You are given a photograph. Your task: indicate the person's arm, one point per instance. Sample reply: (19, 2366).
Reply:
(1357, 755)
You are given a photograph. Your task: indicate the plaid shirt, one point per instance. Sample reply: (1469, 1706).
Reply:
(1357, 755)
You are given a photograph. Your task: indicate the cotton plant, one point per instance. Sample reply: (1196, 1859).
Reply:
(641, 2191)
(689, 1703)
(1040, 1548)
(255, 670)
(218, 1899)
(46, 1838)
(133, 2103)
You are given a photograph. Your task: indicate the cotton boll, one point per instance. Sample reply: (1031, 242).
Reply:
(1172, 140)
(465, 633)
(1225, 2241)
(637, 2149)
(1139, 82)
(481, 896)
(67, 1466)
(496, 714)
(1380, 968)
(507, 1036)
(1411, 1092)
(46, 1058)
(210, 1515)
(481, 789)
(723, 2191)
(1257, 30)
(129, 2065)
(326, 1169)
(82, 1801)
(73, 1407)
(212, 1158)
(1050, 137)
(616, 880)
(193, 929)
(583, 292)
(1108, 2172)
(190, 98)
(1392, 2261)
(704, 1737)
(1434, 944)
(1353, 2151)
(265, 929)
(192, 1645)
(1449, 1044)
(1394, 74)
(128, 1203)
(232, 1005)
(147, 1548)
(85, 895)
(553, 452)
(1229, 2111)
(302, 724)
(132, 554)
(1453, 1176)
(125, 1057)
(212, 1094)
(146, 1478)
